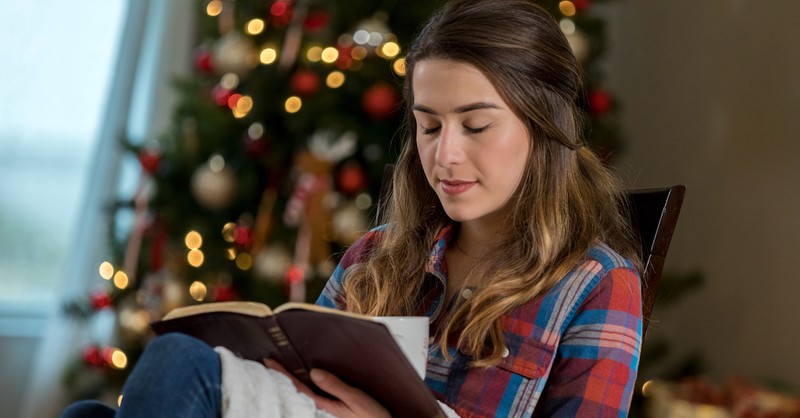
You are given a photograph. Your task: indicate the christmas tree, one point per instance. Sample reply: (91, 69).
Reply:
(273, 162)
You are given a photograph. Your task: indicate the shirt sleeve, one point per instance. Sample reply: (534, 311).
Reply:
(332, 296)
(594, 372)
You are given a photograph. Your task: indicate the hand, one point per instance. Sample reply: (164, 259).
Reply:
(350, 402)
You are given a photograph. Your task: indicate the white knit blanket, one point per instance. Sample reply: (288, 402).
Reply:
(249, 389)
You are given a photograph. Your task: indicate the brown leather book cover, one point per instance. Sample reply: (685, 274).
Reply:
(302, 337)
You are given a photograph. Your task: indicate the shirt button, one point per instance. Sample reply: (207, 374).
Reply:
(506, 352)
(466, 293)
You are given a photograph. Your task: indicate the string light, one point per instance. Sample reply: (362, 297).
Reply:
(227, 231)
(231, 253)
(214, 8)
(121, 280)
(195, 258)
(242, 107)
(216, 163)
(314, 54)
(244, 261)
(358, 53)
(567, 8)
(646, 388)
(106, 270)
(399, 66)
(567, 26)
(335, 79)
(193, 240)
(390, 49)
(229, 81)
(118, 359)
(268, 55)
(293, 104)
(198, 291)
(329, 55)
(361, 37)
(254, 26)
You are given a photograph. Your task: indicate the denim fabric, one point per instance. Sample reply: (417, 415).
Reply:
(177, 376)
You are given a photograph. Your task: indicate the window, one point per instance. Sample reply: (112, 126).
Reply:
(55, 74)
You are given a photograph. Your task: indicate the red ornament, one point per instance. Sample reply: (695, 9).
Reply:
(315, 21)
(345, 58)
(150, 160)
(243, 236)
(255, 147)
(599, 102)
(304, 82)
(221, 95)
(380, 101)
(581, 5)
(295, 274)
(100, 300)
(281, 13)
(224, 293)
(92, 355)
(351, 179)
(203, 61)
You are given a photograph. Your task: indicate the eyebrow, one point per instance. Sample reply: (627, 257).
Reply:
(461, 109)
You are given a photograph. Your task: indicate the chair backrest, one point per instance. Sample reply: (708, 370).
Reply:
(654, 214)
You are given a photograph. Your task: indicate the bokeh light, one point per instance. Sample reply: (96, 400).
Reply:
(293, 104)
(335, 79)
(106, 270)
(198, 291)
(193, 240)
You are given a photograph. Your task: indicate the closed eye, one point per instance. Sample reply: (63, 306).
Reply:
(476, 130)
(429, 131)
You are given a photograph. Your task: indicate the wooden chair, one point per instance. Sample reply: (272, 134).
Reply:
(654, 214)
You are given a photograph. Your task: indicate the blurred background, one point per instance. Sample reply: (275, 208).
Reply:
(158, 153)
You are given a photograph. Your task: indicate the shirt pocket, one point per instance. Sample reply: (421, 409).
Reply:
(509, 389)
(525, 357)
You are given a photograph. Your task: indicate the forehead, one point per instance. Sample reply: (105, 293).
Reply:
(447, 83)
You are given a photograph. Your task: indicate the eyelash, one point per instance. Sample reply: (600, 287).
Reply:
(474, 131)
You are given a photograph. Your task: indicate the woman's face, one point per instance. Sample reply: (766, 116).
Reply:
(473, 148)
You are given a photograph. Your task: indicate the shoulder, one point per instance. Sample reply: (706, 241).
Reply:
(363, 247)
(332, 294)
(614, 278)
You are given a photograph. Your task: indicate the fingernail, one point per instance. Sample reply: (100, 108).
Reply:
(317, 375)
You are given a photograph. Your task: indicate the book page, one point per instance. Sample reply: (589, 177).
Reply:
(246, 308)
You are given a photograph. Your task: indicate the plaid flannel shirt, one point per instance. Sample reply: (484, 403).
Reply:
(571, 352)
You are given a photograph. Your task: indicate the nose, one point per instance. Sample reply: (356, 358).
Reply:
(449, 150)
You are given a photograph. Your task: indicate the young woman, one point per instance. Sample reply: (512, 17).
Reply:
(503, 228)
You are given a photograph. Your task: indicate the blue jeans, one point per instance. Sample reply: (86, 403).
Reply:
(177, 376)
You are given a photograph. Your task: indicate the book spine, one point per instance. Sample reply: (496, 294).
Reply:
(290, 360)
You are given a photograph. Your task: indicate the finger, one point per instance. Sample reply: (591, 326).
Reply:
(351, 401)
(334, 386)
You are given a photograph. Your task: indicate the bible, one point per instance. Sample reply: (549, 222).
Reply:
(301, 337)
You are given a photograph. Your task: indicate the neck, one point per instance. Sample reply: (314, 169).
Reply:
(473, 240)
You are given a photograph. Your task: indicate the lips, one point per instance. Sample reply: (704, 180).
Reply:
(455, 187)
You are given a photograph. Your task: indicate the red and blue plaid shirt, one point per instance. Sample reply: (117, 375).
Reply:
(571, 352)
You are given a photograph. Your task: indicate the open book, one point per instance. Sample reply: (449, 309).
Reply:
(301, 336)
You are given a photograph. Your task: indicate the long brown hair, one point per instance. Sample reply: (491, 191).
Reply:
(566, 201)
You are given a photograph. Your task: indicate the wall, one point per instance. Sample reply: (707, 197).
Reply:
(711, 99)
